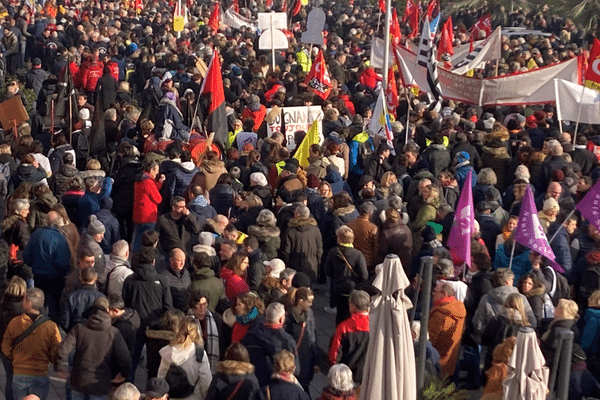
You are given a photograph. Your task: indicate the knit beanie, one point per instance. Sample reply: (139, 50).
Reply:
(95, 227)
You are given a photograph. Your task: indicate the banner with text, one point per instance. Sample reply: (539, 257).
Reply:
(295, 119)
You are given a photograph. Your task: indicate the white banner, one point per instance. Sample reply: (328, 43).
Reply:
(377, 50)
(568, 100)
(237, 21)
(295, 119)
(535, 86)
(489, 49)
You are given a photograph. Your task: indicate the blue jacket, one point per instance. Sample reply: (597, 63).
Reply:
(179, 179)
(47, 253)
(561, 248)
(89, 203)
(112, 233)
(76, 304)
(590, 335)
(520, 263)
(356, 162)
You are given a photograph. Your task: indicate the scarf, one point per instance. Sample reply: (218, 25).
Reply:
(444, 300)
(286, 377)
(506, 233)
(211, 344)
(273, 325)
(249, 317)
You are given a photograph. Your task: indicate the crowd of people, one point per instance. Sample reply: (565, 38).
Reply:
(125, 248)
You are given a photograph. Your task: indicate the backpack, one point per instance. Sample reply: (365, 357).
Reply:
(178, 380)
(365, 150)
(548, 307)
(5, 170)
(560, 287)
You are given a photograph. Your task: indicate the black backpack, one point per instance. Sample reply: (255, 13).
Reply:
(178, 380)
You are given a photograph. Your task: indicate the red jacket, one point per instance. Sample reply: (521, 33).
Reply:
(358, 322)
(257, 116)
(114, 70)
(146, 198)
(369, 78)
(90, 75)
(234, 284)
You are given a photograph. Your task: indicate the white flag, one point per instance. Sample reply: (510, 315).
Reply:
(568, 99)
(487, 50)
(236, 20)
(380, 123)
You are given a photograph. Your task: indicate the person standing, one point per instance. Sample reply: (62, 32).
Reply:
(146, 197)
(31, 342)
(177, 227)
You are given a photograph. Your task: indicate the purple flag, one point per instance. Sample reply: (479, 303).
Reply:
(459, 239)
(589, 206)
(529, 232)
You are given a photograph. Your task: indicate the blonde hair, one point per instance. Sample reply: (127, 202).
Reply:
(514, 302)
(594, 300)
(284, 362)
(388, 178)
(569, 307)
(5, 148)
(93, 165)
(188, 333)
(16, 287)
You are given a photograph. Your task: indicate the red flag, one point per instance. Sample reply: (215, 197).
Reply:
(214, 20)
(592, 75)
(213, 87)
(138, 6)
(318, 78)
(391, 93)
(431, 8)
(411, 16)
(297, 7)
(269, 4)
(236, 6)
(395, 32)
(483, 24)
(446, 39)
(284, 6)
(382, 6)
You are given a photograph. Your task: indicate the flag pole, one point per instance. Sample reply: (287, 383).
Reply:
(386, 38)
(512, 253)
(560, 227)
(579, 113)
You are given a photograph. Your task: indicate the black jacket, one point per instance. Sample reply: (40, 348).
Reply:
(169, 230)
(148, 293)
(100, 353)
(178, 283)
(122, 191)
(282, 390)
(229, 374)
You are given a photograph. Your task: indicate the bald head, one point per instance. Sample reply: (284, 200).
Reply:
(177, 259)
(53, 218)
(554, 190)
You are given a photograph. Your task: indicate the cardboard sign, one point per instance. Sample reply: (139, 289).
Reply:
(272, 39)
(12, 111)
(295, 119)
(272, 20)
(314, 27)
(178, 23)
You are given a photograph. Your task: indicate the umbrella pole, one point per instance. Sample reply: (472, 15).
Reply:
(415, 299)
(425, 303)
(560, 226)
(564, 369)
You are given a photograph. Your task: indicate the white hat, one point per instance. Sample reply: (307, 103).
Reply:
(276, 266)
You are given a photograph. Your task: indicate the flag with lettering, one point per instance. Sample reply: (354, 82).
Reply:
(592, 75)
(589, 206)
(395, 32)
(459, 239)
(529, 231)
(318, 78)
(483, 24)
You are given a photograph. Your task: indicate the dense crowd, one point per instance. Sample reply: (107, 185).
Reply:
(132, 238)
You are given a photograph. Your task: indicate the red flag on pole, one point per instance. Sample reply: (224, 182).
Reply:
(446, 39)
(592, 75)
(431, 8)
(318, 78)
(213, 87)
(411, 16)
(138, 6)
(297, 7)
(214, 20)
(391, 93)
(236, 6)
(382, 6)
(395, 32)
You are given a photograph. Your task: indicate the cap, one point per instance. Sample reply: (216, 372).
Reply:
(275, 267)
(364, 180)
(290, 166)
(95, 227)
(206, 239)
(36, 61)
(157, 388)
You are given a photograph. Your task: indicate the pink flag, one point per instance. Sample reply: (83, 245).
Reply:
(589, 206)
(459, 239)
(529, 232)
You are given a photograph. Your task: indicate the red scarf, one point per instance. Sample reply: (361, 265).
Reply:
(444, 300)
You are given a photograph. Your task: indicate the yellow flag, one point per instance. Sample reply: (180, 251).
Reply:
(312, 137)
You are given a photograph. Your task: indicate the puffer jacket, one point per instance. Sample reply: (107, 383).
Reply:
(302, 246)
(222, 198)
(229, 374)
(180, 178)
(498, 160)
(197, 372)
(60, 179)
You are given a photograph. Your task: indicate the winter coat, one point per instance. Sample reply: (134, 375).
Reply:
(498, 160)
(345, 279)
(349, 344)
(107, 87)
(201, 209)
(438, 157)
(536, 297)
(234, 284)
(499, 328)
(59, 182)
(246, 218)
(112, 234)
(317, 166)
(446, 326)
(178, 282)
(395, 238)
(303, 329)
(212, 170)
(591, 331)
(117, 270)
(550, 339)
(123, 191)
(302, 246)
(561, 246)
(40, 207)
(264, 192)
(88, 242)
(222, 198)
(263, 344)
(128, 324)
(491, 304)
(34, 79)
(16, 232)
(198, 373)
(282, 390)
(520, 263)
(288, 186)
(89, 203)
(480, 285)
(169, 122)
(10, 307)
(269, 239)
(206, 280)
(25, 173)
(229, 374)
(180, 179)
(366, 238)
(48, 253)
(330, 393)
(76, 303)
(376, 168)
(147, 293)
(585, 158)
(334, 178)
(100, 353)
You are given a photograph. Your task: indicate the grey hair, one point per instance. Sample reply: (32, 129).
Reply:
(395, 189)
(303, 211)
(36, 297)
(340, 377)
(274, 312)
(120, 247)
(126, 391)
(487, 176)
(20, 205)
(110, 114)
(266, 218)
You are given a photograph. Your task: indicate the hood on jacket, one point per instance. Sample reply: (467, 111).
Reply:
(146, 272)
(302, 223)
(9, 222)
(24, 171)
(232, 367)
(213, 166)
(500, 294)
(344, 211)
(5, 158)
(203, 274)
(177, 354)
(187, 166)
(263, 231)
(333, 177)
(498, 152)
(68, 170)
(99, 321)
(201, 248)
(453, 309)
